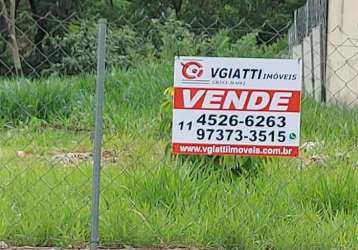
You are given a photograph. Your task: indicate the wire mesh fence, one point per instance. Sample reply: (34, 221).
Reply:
(328, 48)
(40, 50)
(149, 197)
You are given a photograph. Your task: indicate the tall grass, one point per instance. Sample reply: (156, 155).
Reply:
(69, 100)
(156, 202)
(151, 198)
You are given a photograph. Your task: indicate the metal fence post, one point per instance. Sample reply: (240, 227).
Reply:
(101, 71)
(295, 25)
(324, 7)
(312, 67)
(310, 30)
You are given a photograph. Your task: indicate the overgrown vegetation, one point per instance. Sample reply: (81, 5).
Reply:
(56, 98)
(60, 37)
(150, 197)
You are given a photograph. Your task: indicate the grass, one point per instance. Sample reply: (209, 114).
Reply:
(151, 198)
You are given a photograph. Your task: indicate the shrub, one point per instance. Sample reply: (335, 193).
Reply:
(78, 48)
(47, 100)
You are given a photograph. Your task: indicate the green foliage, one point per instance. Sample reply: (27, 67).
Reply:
(150, 198)
(137, 80)
(202, 13)
(164, 37)
(124, 48)
(50, 102)
(78, 48)
(172, 37)
(141, 29)
(40, 99)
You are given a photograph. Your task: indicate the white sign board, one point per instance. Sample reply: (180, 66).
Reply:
(236, 106)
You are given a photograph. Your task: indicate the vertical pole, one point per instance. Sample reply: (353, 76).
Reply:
(295, 25)
(301, 38)
(303, 67)
(324, 5)
(290, 54)
(305, 34)
(312, 67)
(101, 71)
(310, 33)
(307, 19)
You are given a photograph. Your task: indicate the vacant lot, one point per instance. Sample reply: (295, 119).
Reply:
(152, 198)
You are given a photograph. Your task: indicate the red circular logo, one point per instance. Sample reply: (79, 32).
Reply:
(192, 70)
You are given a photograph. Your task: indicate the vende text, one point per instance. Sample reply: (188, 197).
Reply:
(237, 99)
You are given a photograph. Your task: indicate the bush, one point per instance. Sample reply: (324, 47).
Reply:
(73, 51)
(48, 100)
(124, 47)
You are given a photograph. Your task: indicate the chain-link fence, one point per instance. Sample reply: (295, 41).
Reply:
(147, 196)
(327, 44)
(32, 46)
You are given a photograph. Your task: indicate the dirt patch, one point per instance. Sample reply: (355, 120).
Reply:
(75, 158)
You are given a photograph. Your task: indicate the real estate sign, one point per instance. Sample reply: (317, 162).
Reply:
(236, 106)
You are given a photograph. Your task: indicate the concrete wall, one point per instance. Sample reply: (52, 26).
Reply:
(341, 80)
(342, 52)
(311, 63)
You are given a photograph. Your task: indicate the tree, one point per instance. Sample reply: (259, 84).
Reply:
(109, 3)
(8, 12)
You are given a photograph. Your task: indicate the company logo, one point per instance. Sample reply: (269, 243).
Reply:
(192, 70)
